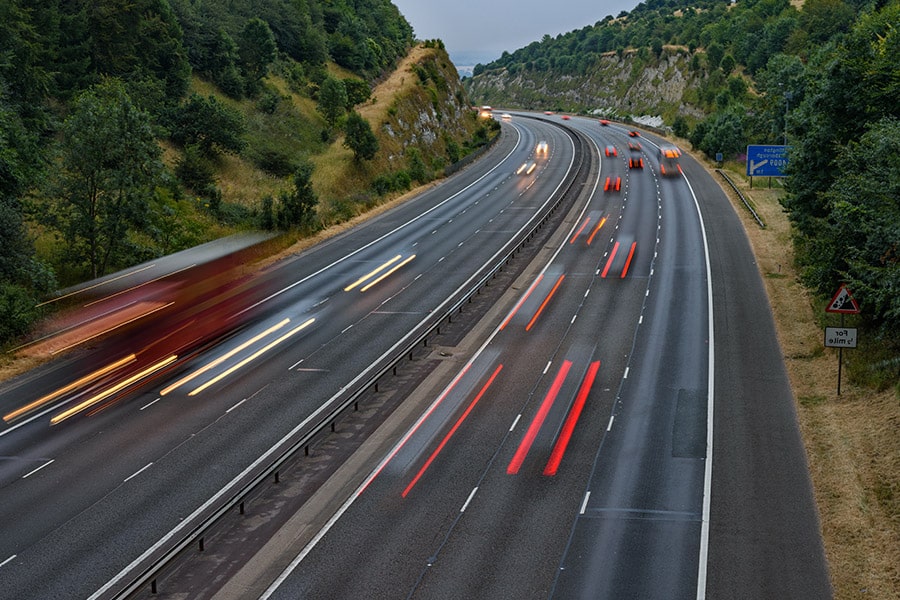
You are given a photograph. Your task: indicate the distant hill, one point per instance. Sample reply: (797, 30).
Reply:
(821, 76)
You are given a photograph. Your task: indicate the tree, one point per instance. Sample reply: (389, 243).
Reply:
(257, 50)
(109, 169)
(859, 243)
(359, 138)
(297, 208)
(358, 91)
(209, 125)
(332, 100)
(416, 166)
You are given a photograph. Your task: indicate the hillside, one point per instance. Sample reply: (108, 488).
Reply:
(133, 130)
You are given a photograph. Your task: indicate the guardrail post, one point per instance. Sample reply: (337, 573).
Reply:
(201, 544)
(242, 507)
(153, 586)
(277, 478)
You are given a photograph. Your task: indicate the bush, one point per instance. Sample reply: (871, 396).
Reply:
(194, 170)
(273, 161)
(18, 312)
(398, 181)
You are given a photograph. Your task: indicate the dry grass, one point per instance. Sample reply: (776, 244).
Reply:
(851, 440)
(336, 174)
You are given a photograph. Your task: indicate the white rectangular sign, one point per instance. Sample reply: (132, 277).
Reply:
(840, 337)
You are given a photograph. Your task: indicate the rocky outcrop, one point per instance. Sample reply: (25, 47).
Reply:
(632, 83)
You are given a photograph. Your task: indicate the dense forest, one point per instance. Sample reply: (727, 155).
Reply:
(821, 76)
(117, 117)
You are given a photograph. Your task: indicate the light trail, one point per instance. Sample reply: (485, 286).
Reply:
(224, 357)
(544, 303)
(452, 431)
(373, 273)
(516, 463)
(252, 357)
(113, 390)
(559, 449)
(388, 274)
(628, 260)
(596, 230)
(24, 410)
(612, 256)
(521, 302)
(580, 229)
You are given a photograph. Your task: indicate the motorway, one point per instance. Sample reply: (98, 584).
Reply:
(569, 457)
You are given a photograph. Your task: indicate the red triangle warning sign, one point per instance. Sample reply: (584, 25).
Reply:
(843, 302)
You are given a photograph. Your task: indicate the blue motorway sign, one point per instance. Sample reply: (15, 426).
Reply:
(766, 161)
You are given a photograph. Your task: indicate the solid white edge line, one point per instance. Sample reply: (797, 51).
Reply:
(8, 560)
(707, 475)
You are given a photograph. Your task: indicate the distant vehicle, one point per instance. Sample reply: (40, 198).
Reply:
(527, 168)
(634, 146)
(565, 117)
(634, 133)
(612, 184)
(611, 151)
(668, 160)
(635, 163)
(542, 148)
(604, 122)
(506, 117)
(485, 112)
(548, 112)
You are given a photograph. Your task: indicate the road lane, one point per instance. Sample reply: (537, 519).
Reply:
(140, 468)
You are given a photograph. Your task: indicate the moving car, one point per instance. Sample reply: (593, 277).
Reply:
(611, 151)
(527, 168)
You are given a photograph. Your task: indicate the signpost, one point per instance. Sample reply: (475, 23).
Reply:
(766, 161)
(841, 337)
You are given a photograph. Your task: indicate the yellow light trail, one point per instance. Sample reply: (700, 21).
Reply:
(114, 389)
(68, 388)
(224, 357)
(252, 357)
(372, 273)
(369, 285)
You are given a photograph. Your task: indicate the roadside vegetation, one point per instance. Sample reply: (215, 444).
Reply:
(851, 439)
(133, 130)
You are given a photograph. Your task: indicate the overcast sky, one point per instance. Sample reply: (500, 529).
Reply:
(480, 30)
